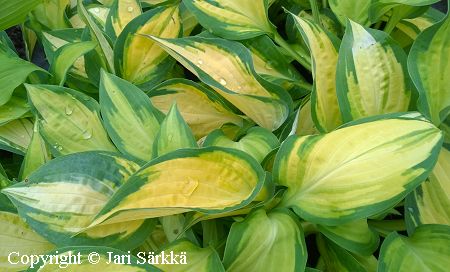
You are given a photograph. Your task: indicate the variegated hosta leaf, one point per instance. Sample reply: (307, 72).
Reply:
(66, 56)
(335, 258)
(305, 124)
(414, 26)
(200, 107)
(55, 40)
(355, 236)
(37, 154)
(100, 262)
(120, 14)
(266, 242)
(197, 259)
(384, 88)
(69, 120)
(324, 54)
(15, 136)
(429, 203)
(355, 10)
(99, 16)
(234, 20)
(426, 250)
(330, 176)
(152, 3)
(397, 9)
(18, 237)
(105, 50)
(270, 63)
(227, 67)
(129, 117)
(209, 180)
(258, 142)
(173, 134)
(139, 59)
(188, 20)
(76, 187)
(13, 72)
(428, 65)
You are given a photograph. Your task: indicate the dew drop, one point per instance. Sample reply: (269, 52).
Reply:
(69, 110)
(87, 134)
(223, 82)
(130, 9)
(60, 148)
(200, 62)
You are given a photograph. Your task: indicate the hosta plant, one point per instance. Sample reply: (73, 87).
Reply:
(282, 135)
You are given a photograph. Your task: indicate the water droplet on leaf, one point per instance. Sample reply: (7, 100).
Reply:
(87, 134)
(223, 82)
(69, 110)
(130, 9)
(200, 62)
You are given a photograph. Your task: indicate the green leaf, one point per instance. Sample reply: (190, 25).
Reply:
(65, 57)
(330, 176)
(139, 59)
(384, 88)
(173, 134)
(426, 250)
(429, 203)
(336, 258)
(17, 236)
(17, 107)
(13, 72)
(355, 10)
(233, 20)
(37, 154)
(196, 259)
(324, 54)
(69, 120)
(210, 180)
(51, 14)
(258, 142)
(15, 12)
(227, 67)
(203, 109)
(266, 242)
(130, 264)
(125, 106)
(428, 65)
(355, 236)
(15, 136)
(76, 187)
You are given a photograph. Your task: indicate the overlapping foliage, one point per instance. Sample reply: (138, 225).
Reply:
(282, 135)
